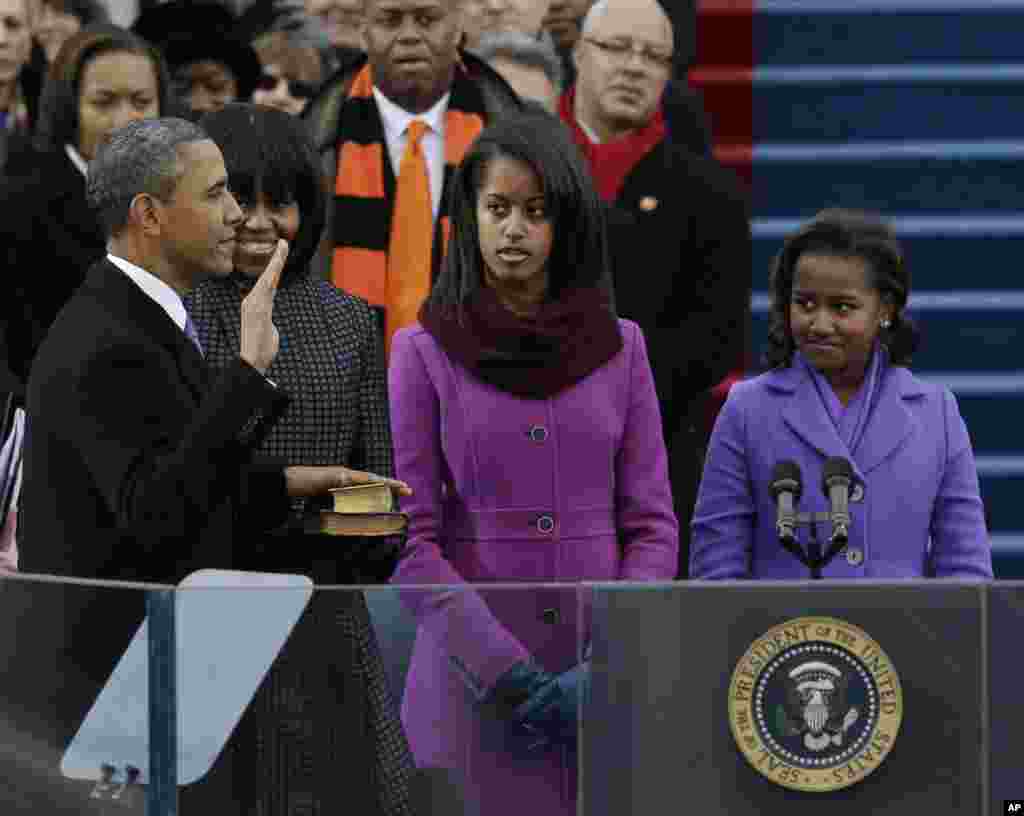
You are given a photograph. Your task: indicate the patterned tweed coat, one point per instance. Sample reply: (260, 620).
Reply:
(323, 730)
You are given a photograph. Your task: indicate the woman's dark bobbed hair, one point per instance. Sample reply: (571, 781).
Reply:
(579, 253)
(59, 106)
(851, 234)
(271, 150)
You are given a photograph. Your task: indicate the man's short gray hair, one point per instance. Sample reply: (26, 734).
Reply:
(594, 13)
(141, 157)
(522, 49)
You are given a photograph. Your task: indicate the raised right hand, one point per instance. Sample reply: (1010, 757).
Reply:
(260, 340)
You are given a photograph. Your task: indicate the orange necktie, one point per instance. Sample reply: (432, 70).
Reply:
(412, 236)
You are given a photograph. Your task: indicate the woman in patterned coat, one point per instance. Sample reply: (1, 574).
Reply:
(322, 732)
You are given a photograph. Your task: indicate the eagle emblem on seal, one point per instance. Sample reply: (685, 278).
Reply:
(815, 705)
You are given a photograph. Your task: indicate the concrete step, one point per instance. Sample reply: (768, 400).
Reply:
(944, 253)
(1001, 492)
(855, 32)
(991, 406)
(839, 103)
(980, 332)
(922, 177)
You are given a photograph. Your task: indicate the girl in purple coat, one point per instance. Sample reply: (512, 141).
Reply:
(524, 418)
(840, 344)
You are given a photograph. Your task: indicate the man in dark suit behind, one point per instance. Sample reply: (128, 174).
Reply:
(137, 464)
(679, 231)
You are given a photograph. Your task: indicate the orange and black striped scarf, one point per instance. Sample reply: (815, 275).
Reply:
(364, 191)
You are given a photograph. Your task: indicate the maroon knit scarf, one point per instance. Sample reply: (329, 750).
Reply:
(533, 357)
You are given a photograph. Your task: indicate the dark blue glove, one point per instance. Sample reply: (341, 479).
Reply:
(502, 702)
(553, 710)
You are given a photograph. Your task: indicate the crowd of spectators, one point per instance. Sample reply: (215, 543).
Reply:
(606, 71)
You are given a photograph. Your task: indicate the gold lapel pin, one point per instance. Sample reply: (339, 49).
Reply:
(648, 203)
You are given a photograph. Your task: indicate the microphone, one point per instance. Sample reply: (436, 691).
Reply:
(786, 488)
(836, 482)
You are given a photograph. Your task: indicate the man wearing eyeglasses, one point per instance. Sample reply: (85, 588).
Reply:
(679, 230)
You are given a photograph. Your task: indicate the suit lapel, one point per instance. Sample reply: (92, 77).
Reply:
(130, 305)
(805, 415)
(193, 368)
(892, 423)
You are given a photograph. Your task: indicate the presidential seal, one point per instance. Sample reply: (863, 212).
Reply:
(815, 704)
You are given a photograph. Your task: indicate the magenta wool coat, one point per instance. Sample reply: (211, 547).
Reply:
(919, 512)
(565, 489)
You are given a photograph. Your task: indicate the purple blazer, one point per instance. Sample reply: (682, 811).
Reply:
(505, 489)
(919, 514)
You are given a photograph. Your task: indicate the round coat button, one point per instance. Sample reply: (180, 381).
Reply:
(854, 556)
(538, 433)
(550, 616)
(545, 524)
(857, 494)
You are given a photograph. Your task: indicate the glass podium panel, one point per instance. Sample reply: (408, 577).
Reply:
(250, 693)
(59, 642)
(376, 700)
(446, 652)
(272, 697)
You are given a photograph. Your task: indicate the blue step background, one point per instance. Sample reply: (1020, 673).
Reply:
(841, 103)
(958, 335)
(945, 253)
(938, 178)
(912, 108)
(845, 32)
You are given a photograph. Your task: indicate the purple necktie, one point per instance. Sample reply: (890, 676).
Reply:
(190, 333)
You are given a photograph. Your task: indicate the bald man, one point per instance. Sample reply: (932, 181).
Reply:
(680, 235)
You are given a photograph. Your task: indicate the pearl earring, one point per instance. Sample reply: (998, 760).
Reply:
(885, 324)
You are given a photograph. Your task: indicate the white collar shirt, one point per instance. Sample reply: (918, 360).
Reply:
(77, 160)
(396, 123)
(164, 296)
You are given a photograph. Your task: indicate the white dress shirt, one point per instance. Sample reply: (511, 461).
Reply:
(396, 122)
(165, 297)
(77, 160)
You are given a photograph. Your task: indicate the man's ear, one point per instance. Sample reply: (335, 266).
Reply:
(144, 212)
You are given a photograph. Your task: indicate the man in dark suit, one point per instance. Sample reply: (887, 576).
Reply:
(679, 229)
(137, 464)
(387, 227)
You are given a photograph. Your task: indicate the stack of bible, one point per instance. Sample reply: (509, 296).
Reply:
(361, 510)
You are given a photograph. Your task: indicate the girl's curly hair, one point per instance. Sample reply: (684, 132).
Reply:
(853, 234)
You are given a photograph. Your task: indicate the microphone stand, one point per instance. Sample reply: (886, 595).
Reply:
(814, 552)
(813, 559)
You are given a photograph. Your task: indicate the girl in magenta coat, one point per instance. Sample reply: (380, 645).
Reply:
(524, 418)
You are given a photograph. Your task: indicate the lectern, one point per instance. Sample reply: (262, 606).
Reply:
(766, 697)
